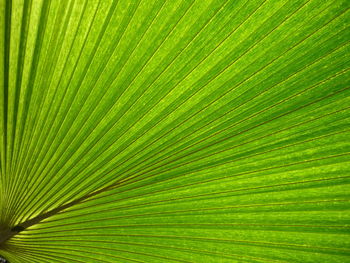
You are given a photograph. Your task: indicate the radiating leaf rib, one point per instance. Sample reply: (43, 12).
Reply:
(174, 131)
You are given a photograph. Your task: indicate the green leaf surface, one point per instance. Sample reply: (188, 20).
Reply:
(175, 131)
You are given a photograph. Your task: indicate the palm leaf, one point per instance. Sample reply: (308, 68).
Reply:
(175, 131)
